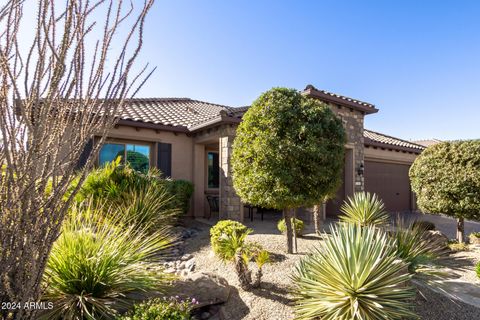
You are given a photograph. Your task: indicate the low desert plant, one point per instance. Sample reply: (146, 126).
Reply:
(231, 245)
(425, 225)
(474, 238)
(297, 225)
(354, 274)
(365, 209)
(161, 309)
(226, 227)
(455, 246)
(97, 268)
(477, 269)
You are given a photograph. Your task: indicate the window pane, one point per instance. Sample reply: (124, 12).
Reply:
(138, 156)
(110, 152)
(213, 170)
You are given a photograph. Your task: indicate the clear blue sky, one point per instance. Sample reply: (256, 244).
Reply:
(417, 61)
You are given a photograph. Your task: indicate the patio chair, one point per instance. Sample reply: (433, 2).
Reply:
(260, 210)
(213, 204)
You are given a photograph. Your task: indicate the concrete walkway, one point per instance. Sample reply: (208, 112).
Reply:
(458, 290)
(446, 225)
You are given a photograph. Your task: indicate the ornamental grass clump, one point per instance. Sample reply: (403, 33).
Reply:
(97, 268)
(415, 247)
(228, 239)
(365, 209)
(354, 274)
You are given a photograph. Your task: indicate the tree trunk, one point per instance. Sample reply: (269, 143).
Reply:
(258, 278)
(317, 219)
(288, 224)
(295, 250)
(243, 274)
(460, 230)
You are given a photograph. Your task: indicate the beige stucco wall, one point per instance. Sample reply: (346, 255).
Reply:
(182, 147)
(390, 156)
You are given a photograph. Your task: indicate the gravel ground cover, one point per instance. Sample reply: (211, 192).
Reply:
(272, 300)
(462, 265)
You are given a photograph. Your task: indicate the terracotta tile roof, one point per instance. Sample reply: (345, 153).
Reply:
(339, 99)
(428, 142)
(379, 139)
(174, 112)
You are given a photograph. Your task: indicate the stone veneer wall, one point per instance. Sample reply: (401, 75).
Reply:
(353, 124)
(230, 204)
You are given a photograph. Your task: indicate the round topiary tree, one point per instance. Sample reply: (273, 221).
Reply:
(288, 152)
(446, 179)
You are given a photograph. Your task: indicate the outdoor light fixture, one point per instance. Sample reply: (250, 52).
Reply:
(361, 169)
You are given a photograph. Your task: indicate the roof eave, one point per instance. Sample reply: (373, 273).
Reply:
(149, 125)
(311, 92)
(372, 143)
(221, 119)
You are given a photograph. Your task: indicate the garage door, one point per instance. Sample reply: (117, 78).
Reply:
(390, 182)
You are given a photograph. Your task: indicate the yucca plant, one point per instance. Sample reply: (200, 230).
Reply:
(415, 247)
(354, 274)
(365, 209)
(98, 268)
(230, 245)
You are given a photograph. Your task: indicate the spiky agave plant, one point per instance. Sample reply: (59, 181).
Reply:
(98, 268)
(354, 274)
(365, 209)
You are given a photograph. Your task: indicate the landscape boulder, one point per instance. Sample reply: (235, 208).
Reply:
(206, 287)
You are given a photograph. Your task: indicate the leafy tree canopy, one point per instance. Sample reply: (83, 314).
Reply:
(446, 179)
(288, 151)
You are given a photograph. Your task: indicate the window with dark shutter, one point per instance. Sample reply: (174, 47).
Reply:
(164, 159)
(87, 150)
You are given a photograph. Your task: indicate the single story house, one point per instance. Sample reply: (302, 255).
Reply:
(192, 140)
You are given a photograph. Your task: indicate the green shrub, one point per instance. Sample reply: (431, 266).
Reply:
(230, 245)
(226, 227)
(297, 224)
(354, 274)
(365, 209)
(183, 191)
(161, 309)
(475, 235)
(425, 225)
(478, 269)
(114, 181)
(97, 269)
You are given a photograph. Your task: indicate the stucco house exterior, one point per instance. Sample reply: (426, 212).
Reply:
(192, 140)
